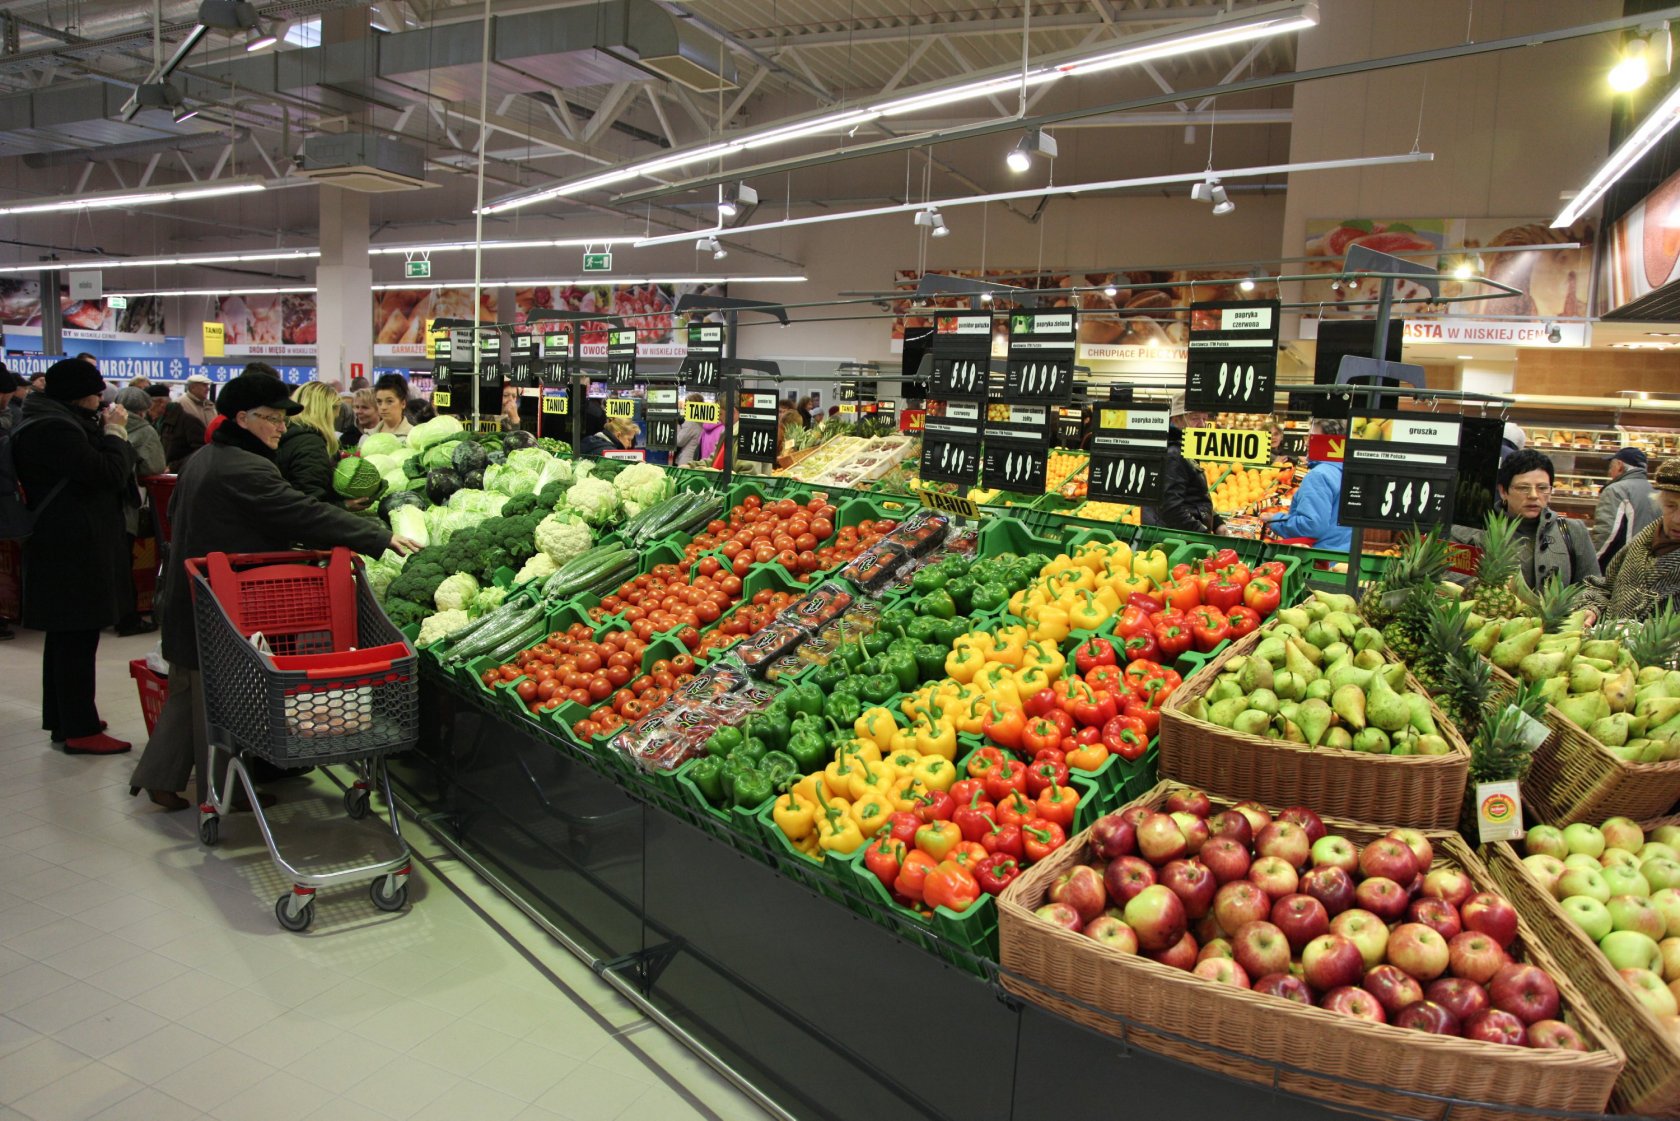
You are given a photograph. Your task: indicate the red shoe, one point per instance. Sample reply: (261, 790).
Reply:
(96, 745)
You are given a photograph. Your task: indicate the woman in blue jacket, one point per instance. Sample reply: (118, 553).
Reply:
(1312, 512)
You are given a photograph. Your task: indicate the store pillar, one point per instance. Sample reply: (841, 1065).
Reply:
(344, 288)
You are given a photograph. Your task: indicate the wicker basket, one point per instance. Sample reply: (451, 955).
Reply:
(1576, 778)
(1308, 1051)
(1650, 1084)
(1420, 791)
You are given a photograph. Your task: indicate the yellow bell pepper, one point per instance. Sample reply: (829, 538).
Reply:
(1094, 557)
(964, 660)
(1109, 598)
(1060, 563)
(808, 786)
(794, 815)
(837, 776)
(917, 703)
(1151, 563)
(870, 813)
(1007, 645)
(808, 845)
(866, 779)
(1132, 584)
(1051, 624)
(837, 831)
(937, 737)
(865, 750)
(999, 682)
(900, 763)
(876, 724)
(1080, 578)
(1030, 679)
(936, 773)
(971, 715)
(905, 740)
(1047, 656)
(1089, 613)
(904, 792)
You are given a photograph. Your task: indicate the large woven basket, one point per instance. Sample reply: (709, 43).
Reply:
(1650, 1083)
(1419, 791)
(1309, 1051)
(1576, 778)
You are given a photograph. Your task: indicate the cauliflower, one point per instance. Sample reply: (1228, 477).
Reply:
(456, 592)
(487, 600)
(539, 567)
(595, 500)
(441, 625)
(642, 482)
(562, 537)
(632, 507)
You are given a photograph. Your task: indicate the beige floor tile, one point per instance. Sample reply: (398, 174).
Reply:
(89, 1092)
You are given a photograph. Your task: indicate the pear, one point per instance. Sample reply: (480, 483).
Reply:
(1449, 590)
(1251, 722)
(1288, 709)
(1342, 625)
(1602, 665)
(1287, 685)
(1299, 662)
(1584, 708)
(1554, 687)
(1224, 712)
(1347, 673)
(1422, 721)
(1270, 650)
(1348, 702)
(1395, 674)
(1636, 725)
(1336, 601)
(1433, 745)
(1653, 753)
(1484, 638)
(1671, 682)
(1584, 678)
(1511, 628)
(1226, 686)
(1286, 630)
(1372, 741)
(1314, 653)
(1263, 699)
(1368, 638)
(1316, 609)
(1404, 747)
(1256, 674)
(1507, 652)
(1566, 645)
(1197, 709)
(1668, 729)
(1601, 648)
(1319, 635)
(1319, 690)
(1313, 717)
(1385, 708)
(1336, 651)
(1369, 658)
(1292, 732)
(1648, 675)
(1339, 738)
(1535, 666)
(1619, 691)
(1627, 753)
(1612, 731)
(1294, 617)
(1658, 710)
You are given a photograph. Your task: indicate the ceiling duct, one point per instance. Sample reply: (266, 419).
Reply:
(357, 161)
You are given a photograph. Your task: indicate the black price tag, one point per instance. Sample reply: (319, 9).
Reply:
(621, 356)
(1041, 354)
(962, 356)
(1233, 356)
(460, 348)
(1398, 470)
(1292, 444)
(556, 365)
(662, 417)
(760, 417)
(705, 356)
(522, 366)
(951, 435)
(1128, 453)
(1017, 447)
(1070, 426)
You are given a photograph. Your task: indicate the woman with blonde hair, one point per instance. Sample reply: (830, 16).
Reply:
(309, 449)
(364, 417)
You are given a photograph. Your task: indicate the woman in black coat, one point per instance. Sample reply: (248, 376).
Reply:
(75, 468)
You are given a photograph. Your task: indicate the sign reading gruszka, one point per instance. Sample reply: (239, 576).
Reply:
(1398, 469)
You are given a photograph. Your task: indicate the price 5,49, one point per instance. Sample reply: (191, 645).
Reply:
(1411, 500)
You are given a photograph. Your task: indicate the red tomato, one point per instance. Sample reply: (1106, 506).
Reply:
(508, 672)
(617, 674)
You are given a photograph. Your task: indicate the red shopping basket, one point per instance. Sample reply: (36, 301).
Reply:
(154, 690)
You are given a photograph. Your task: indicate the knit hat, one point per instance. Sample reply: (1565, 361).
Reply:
(134, 399)
(1668, 475)
(255, 391)
(157, 389)
(1633, 457)
(73, 379)
(1515, 436)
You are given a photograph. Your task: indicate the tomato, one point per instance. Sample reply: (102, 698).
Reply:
(742, 564)
(707, 566)
(508, 672)
(782, 542)
(821, 528)
(610, 722)
(490, 677)
(547, 689)
(599, 687)
(689, 637)
(578, 696)
(643, 628)
(788, 559)
(752, 502)
(641, 684)
(682, 664)
(731, 585)
(763, 553)
(707, 612)
(617, 674)
(588, 661)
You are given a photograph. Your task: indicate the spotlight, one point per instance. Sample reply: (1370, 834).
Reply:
(158, 95)
(1554, 334)
(934, 220)
(186, 114)
(736, 202)
(985, 297)
(711, 243)
(1211, 190)
(261, 38)
(1645, 56)
(1246, 285)
(1034, 142)
(1463, 271)
(1111, 291)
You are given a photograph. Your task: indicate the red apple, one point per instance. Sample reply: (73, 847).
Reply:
(1190, 802)
(1135, 815)
(1261, 948)
(1258, 816)
(1226, 857)
(1081, 887)
(1418, 950)
(1112, 837)
(1330, 886)
(1393, 987)
(1306, 819)
(1301, 918)
(1418, 843)
(1285, 840)
(1113, 933)
(1555, 1035)
(1364, 930)
(1491, 915)
(1494, 1026)
(1330, 962)
(1357, 1003)
(1217, 948)
(1125, 877)
(1275, 876)
(1335, 851)
(1426, 1015)
(1475, 957)
(1207, 929)
(1389, 859)
(1157, 916)
(1285, 985)
(1462, 998)
(1224, 971)
(1240, 902)
(1233, 824)
(1449, 884)
(1159, 839)
(1195, 830)
(1382, 896)
(1436, 913)
(1526, 992)
(1180, 955)
(1060, 914)
(1193, 884)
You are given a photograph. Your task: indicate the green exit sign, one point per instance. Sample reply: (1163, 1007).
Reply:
(417, 270)
(597, 262)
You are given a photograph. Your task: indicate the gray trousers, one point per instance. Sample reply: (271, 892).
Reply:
(178, 744)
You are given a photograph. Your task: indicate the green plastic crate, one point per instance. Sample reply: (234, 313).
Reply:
(950, 936)
(1010, 535)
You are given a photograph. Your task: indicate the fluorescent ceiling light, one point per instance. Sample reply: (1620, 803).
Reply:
(592, 278)
(1651, 130)
(133, 198)
(261, 39)
(186, 114)
(1261, 22)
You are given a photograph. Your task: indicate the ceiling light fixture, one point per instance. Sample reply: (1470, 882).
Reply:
(186, 114)
(127, 199)
(1646, 55)
(1629, 152)
(1211, 190)
(1261, 22)
(935, 221)
(1463, 271)
(1111, 291)
(1465, 358)
(261, 38)
(1246, 285)
(711, 243)
(549, 280)
(1034, 142)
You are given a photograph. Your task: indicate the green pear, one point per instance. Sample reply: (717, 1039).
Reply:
(1507, 652)
(1448, 590)
(1346, 673)
(1404, 747)
(1628, 754)
(1336, 601)
(1671, 682)
(1286, 630)
(1337, 651)
(1372, 741)
(1316, 609)
(1636, 724)
(1612, 731)
(1603, 665)
(1395, 674)
(1263, 699)
(1295, 617)
(1385, 708)
(1319, 690)
(1251, 722)
(1342, 625)
(1484, 638)
(1319, 635)
(1554, 687)
(1338, 738)
(1314, 653)
(1618, 691)
(1584, 708)
(1299, 662)
(1292, 731)
(1564, 645)
(1584, 678)
(1224, 712)
(1226, 686)
(1649, 675)
(1601, 648)
(1433, 745)
(1535, 666)
(1668, 729)
(1270, 650)
(1287, 685)
(1511, 628)
(1197, 709)
(1348, 702)
(1368, 638)
(1256, 673)
(1422, 722)
(1287, 709)
(1658, 710)
(1654, 753)
(1314, 719)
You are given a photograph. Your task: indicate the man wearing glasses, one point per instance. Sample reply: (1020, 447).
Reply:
(1549, 545)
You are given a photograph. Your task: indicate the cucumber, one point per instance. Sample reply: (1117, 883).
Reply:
(490, 638)
(580, 572)
(516, 642)
(499, 615)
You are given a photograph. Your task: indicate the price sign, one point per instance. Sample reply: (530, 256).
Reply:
(556, 365)
(1233, 356)
(437, 342)
(703, 412)
(489, 359)
(951, 432)
(621, 356)
(1017, 456)
(441, 399)
(621, 408)
(756, 431)
(460, 350)
(948, 503)
(522, 369)
(705, 356)
(662, 418)
(1292, 444)
(1238, 445)
(556, 404)
(1128, 453)
(1041, 348)
(1398, 470)
(962, 356)
(1070, 426)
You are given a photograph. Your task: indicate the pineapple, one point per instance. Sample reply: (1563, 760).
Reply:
(1500, 749)
(1463, 676)
(1500, 592)
(1556, 603)
(1656, 642)
(1407, 632)
(1422, 563)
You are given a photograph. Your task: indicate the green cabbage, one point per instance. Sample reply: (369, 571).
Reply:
(379, 443)
(357, 478)
(410, 522)
(433, 431)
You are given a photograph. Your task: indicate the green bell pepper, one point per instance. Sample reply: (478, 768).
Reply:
(895, 620)
(752, 749)
(854, 654)
(809, 749)
(779, 767)
(752, 788)
(806, 699)
(950, 630)
(929, 578)
(990, 596)
(961, 591)
(730, 768)
(902, 665)
(939, 604)
(924, 628)
(851, 685)
(843, 707)
(825, 677)
(877, 687)
(706, 775)
(903, 644)
(955, 565)
(723, 741)
(930, 661)
(770, 726)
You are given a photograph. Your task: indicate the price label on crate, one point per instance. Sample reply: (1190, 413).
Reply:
(662, 418)
(1017, 453)
(1128, 453)
(1233, 356)
(1041, 352)
(704, 360)
(757, 428)
(962, 356)
(948, 503)
(1398, 470)
(621, 356)
(490, 371)
(951, 435)
(1070, 426)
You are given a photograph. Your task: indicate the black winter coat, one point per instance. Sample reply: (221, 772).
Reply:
(231, 498)
(305, 463)
(70, 563)
(1185, 501)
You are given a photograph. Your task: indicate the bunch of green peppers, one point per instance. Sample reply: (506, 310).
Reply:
(770, 751)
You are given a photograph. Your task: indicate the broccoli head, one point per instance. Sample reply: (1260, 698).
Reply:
(519, 504)
(402, 613)
(552, 495)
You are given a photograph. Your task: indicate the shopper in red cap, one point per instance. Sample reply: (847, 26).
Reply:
(74, 463)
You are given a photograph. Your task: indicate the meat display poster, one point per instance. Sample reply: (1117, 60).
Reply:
(20, 314)
(268, 325)
(400, 315)
(648, 308)
(1643, 252)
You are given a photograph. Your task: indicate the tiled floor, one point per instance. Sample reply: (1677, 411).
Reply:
(143, 976)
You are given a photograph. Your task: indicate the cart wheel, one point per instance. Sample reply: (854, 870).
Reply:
(356, 802)
(388, 900)
(210, 831)
(298, 922)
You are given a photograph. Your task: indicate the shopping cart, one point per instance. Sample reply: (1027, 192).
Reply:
(301, 667)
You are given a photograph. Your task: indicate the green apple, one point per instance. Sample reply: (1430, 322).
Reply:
(1668, 835)
(1547, 840)
(1657, 848)
(1545, 869)
(1583, 881)
(1667, 903)
(1582, 860)
(1670, 950)
(1622, 833)
(1635, 912)
(1661, 872)
(1589, 914)
(1650, 991)
(1618, 858)
(1629, 949)
(1581, 837)
(1627, 881)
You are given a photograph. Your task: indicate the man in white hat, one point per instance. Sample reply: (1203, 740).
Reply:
(184, 422)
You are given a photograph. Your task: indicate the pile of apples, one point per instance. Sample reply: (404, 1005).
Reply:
(1282, 907)
(1623, 891)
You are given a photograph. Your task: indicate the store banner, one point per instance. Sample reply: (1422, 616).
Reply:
(269, 326)
(621, 356)
(704, 360)
(1128, 453)
(1233, 356)
(951, 437)
(1398, 471)
(1643, 249)
(131, 319)
(1457, 331)
(961, 354)
(757, 425)
(1041, 352)
(401, 315)
(649, 309)
(1017, 447)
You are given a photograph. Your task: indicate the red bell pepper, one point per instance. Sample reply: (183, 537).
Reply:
(996, 872)
(1262, 595)
(1140, 709)
(1133, 620)
(1168, 615)
(1237, 573)
(902, 826)
(1042, 838)
(1094, 652)
(973, 817)
(1224, 558)
(1006, 778)
(1041, 775)
(1172, 638)
(883, 858)
(934, 805)
(1141, 670)
(937, 837)
(1208, 628)
(1086, 736)
(1180, 571)
(968, 853)
(1016, 809)
(1050, 755)
(1147, 604)
(1004, 838)
(1223, 592)
(1039, 703)
(1182, 594)
(951, 886)
(963, 790)
(1112, 678)
(1126, 737)
(1058, 804)
(1004, 726)
(1142, 646)
(913, 873)
(1271, 570)
(1063, 723)
(1243, 619)
(982, 761)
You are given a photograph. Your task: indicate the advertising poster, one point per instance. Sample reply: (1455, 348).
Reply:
(648, 308)
(1643, 250)
(268, 325)
(400, 315)
(20, 307)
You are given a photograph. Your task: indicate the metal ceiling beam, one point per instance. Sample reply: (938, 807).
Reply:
(915, 28)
